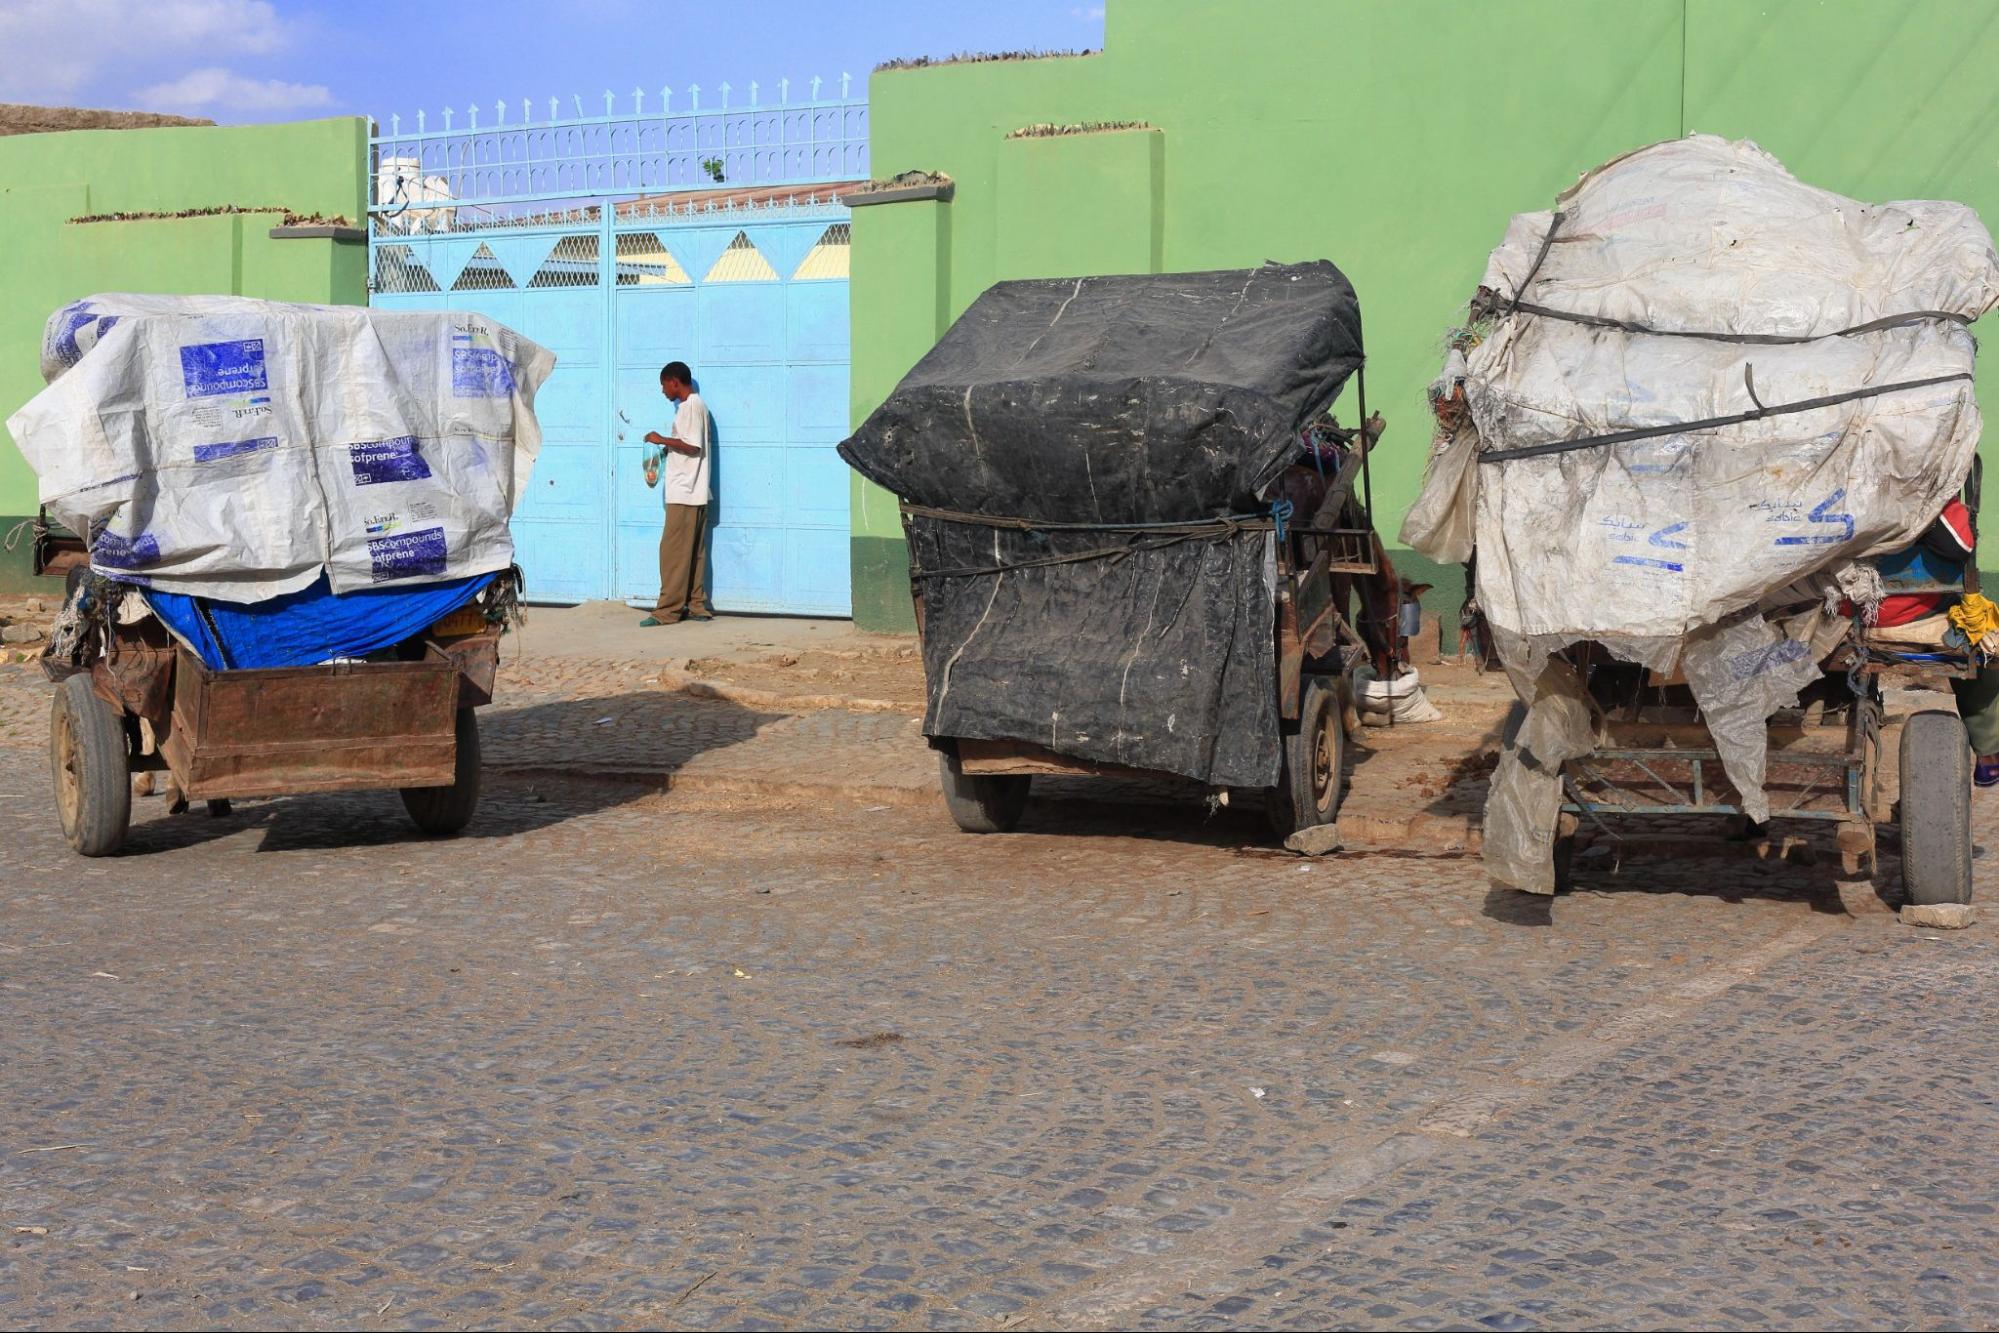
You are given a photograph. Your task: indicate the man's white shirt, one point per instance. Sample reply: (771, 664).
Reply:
(687, 474)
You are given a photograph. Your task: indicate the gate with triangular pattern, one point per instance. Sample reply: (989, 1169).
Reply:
(755, 300)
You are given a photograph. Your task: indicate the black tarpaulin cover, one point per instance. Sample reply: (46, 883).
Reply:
(1158, 398)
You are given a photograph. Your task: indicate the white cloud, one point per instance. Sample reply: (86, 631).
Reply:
(1088, 14)
(213, 89)
(95, 51)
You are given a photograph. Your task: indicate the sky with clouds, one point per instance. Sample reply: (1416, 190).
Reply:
(253, 60)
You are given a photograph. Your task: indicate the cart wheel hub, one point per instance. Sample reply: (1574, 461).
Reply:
(1323, 775)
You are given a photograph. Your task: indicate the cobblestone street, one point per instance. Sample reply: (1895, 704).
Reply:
(780, 1048)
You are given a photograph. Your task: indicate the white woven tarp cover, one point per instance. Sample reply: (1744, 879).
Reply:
(232, 448)
(1698, 548)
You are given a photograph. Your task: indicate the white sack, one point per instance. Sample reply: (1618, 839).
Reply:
(1441, 524)
(1649, 546)
(232, 448)
(1393, 702)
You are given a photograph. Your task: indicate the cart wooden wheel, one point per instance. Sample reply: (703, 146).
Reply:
(1314, 752)
(93, 777)
(1936, 809)
(442, 811)
(981, 802)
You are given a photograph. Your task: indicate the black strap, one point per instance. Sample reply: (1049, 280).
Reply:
(214, 634)
(1554, 225)
(1754, 339)
(1713, 423)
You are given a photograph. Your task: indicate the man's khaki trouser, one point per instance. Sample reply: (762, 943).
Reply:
(1978, 704)
(683, 563)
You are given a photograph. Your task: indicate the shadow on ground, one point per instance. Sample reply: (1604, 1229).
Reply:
(1702, 864)
(545, 763)
(1166, 809)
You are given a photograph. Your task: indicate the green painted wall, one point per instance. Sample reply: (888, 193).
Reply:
(313, 167)
(1111, 217)
(1395, 137)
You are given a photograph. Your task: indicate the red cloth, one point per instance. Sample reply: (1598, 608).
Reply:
(1906, 608)
(1951, 537)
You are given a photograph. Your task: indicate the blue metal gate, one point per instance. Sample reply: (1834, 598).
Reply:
(562, 232)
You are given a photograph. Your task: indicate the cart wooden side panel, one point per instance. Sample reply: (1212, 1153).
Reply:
(289, 730)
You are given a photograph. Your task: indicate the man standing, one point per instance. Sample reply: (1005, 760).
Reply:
(683, 546)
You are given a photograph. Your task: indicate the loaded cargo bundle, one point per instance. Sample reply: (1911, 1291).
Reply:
(238, 449)
(1691, 401)
(1086, 467)
(287, 483)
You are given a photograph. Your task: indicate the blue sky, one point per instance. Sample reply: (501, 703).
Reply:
(250, 60)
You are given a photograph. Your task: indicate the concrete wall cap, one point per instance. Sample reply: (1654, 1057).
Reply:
(345, 235)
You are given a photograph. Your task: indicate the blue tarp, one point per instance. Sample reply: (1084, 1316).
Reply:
(1917, 566)
(311, 625)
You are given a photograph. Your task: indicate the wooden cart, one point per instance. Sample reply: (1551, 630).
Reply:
(147, 703)
(1328, 560)
(1826, 762)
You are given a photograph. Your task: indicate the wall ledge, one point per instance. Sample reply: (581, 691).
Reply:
(344, 235)
(900, 194)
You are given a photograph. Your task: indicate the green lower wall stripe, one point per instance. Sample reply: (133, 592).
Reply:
(881, 585)
(17, 567)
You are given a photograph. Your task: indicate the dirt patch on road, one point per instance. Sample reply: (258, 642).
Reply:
(24, 626)
(891, 675)
(1425, 783)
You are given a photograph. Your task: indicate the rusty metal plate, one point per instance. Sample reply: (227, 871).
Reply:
(321, 728)
(478, 661)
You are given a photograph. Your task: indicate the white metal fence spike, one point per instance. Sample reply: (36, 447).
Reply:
(494, 184)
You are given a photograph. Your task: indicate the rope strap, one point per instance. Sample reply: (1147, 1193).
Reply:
(1715, 423)
(1221, 524)
(1754, 339)
(1146, 537)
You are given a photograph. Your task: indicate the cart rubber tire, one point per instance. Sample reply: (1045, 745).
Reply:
(1313, 780)
(981, 802)
(443, 811)
(92, 770)
(1936, 809)
(77, 576)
